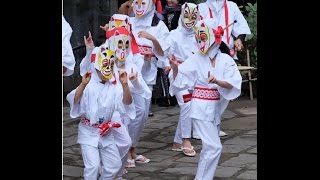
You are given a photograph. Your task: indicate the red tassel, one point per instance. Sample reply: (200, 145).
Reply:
(134, 45)
(93, 58)
(159, 6)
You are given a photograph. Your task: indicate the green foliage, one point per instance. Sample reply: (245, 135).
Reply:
(251, 40)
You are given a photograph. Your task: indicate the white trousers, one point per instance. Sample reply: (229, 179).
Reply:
(211, 148)
(92, 156)
(136, 125)
(148, 104)
(184, 124)
(123, 142)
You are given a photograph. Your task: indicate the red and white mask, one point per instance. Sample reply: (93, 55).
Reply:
(141, 7)
(207, 33)
(189, 14)
(105, 62)
(119, 42)
(119, 20)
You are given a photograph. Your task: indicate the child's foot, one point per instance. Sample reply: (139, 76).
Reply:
(141, 159)
(188, 151)
(176, 147)
(130, 163)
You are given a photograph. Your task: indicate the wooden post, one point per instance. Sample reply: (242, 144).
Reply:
(249, 75)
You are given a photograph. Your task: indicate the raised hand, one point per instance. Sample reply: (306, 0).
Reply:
(144, 34)
(86, 78)
(238, 44)
(174, 63)
(211, 79)
(147, 57)
(133, 75)
(167, 69)
(105, 27)
(88, 41)
(123, 77)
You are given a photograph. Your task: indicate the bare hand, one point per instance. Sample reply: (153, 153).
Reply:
(147, 57)
(133, 75)
(123, 77)
(174, 63)
(167, 69)
(105, 27)
(238, 44)
(88, 41)
(144, 34)
(86, 78)
(211, 79)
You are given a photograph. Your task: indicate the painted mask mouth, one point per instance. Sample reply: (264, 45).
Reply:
(190, 24)
(106, 74)
(139, 13)
(122, 56)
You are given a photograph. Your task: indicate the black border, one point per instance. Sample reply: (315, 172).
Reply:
(32, 90)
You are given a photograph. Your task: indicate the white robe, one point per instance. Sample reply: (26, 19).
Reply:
(194, 73)
(176, 45)
(160, 32)
(68, 59)
(182, 44)
(148, 68)
(99, 101)
(234, 13)
(206, 114)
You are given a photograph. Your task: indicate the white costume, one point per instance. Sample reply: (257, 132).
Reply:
(68, 59)
(226, 12)
(205, 107)
(181, 51)
(98, 103)
(139, 89)
(143, 22)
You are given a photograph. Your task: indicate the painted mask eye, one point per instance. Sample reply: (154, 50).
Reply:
(186, 14)
(127, 44)
(120, 44)
(105, 63)
(111, 63)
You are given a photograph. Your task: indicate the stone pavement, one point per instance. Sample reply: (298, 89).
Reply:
(238, 160)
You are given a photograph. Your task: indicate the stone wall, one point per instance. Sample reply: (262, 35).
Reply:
(84, 16)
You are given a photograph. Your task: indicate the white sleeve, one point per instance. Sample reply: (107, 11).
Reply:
(68, 57)
(139, 86)
(241, 26)
(76, 110)
(86, 61)
(123, 109)
(186, 77)
(162, 33)
(231, 75)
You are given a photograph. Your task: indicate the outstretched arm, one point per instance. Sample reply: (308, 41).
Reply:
(127, 98)
(85, 80)
(156, 44)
